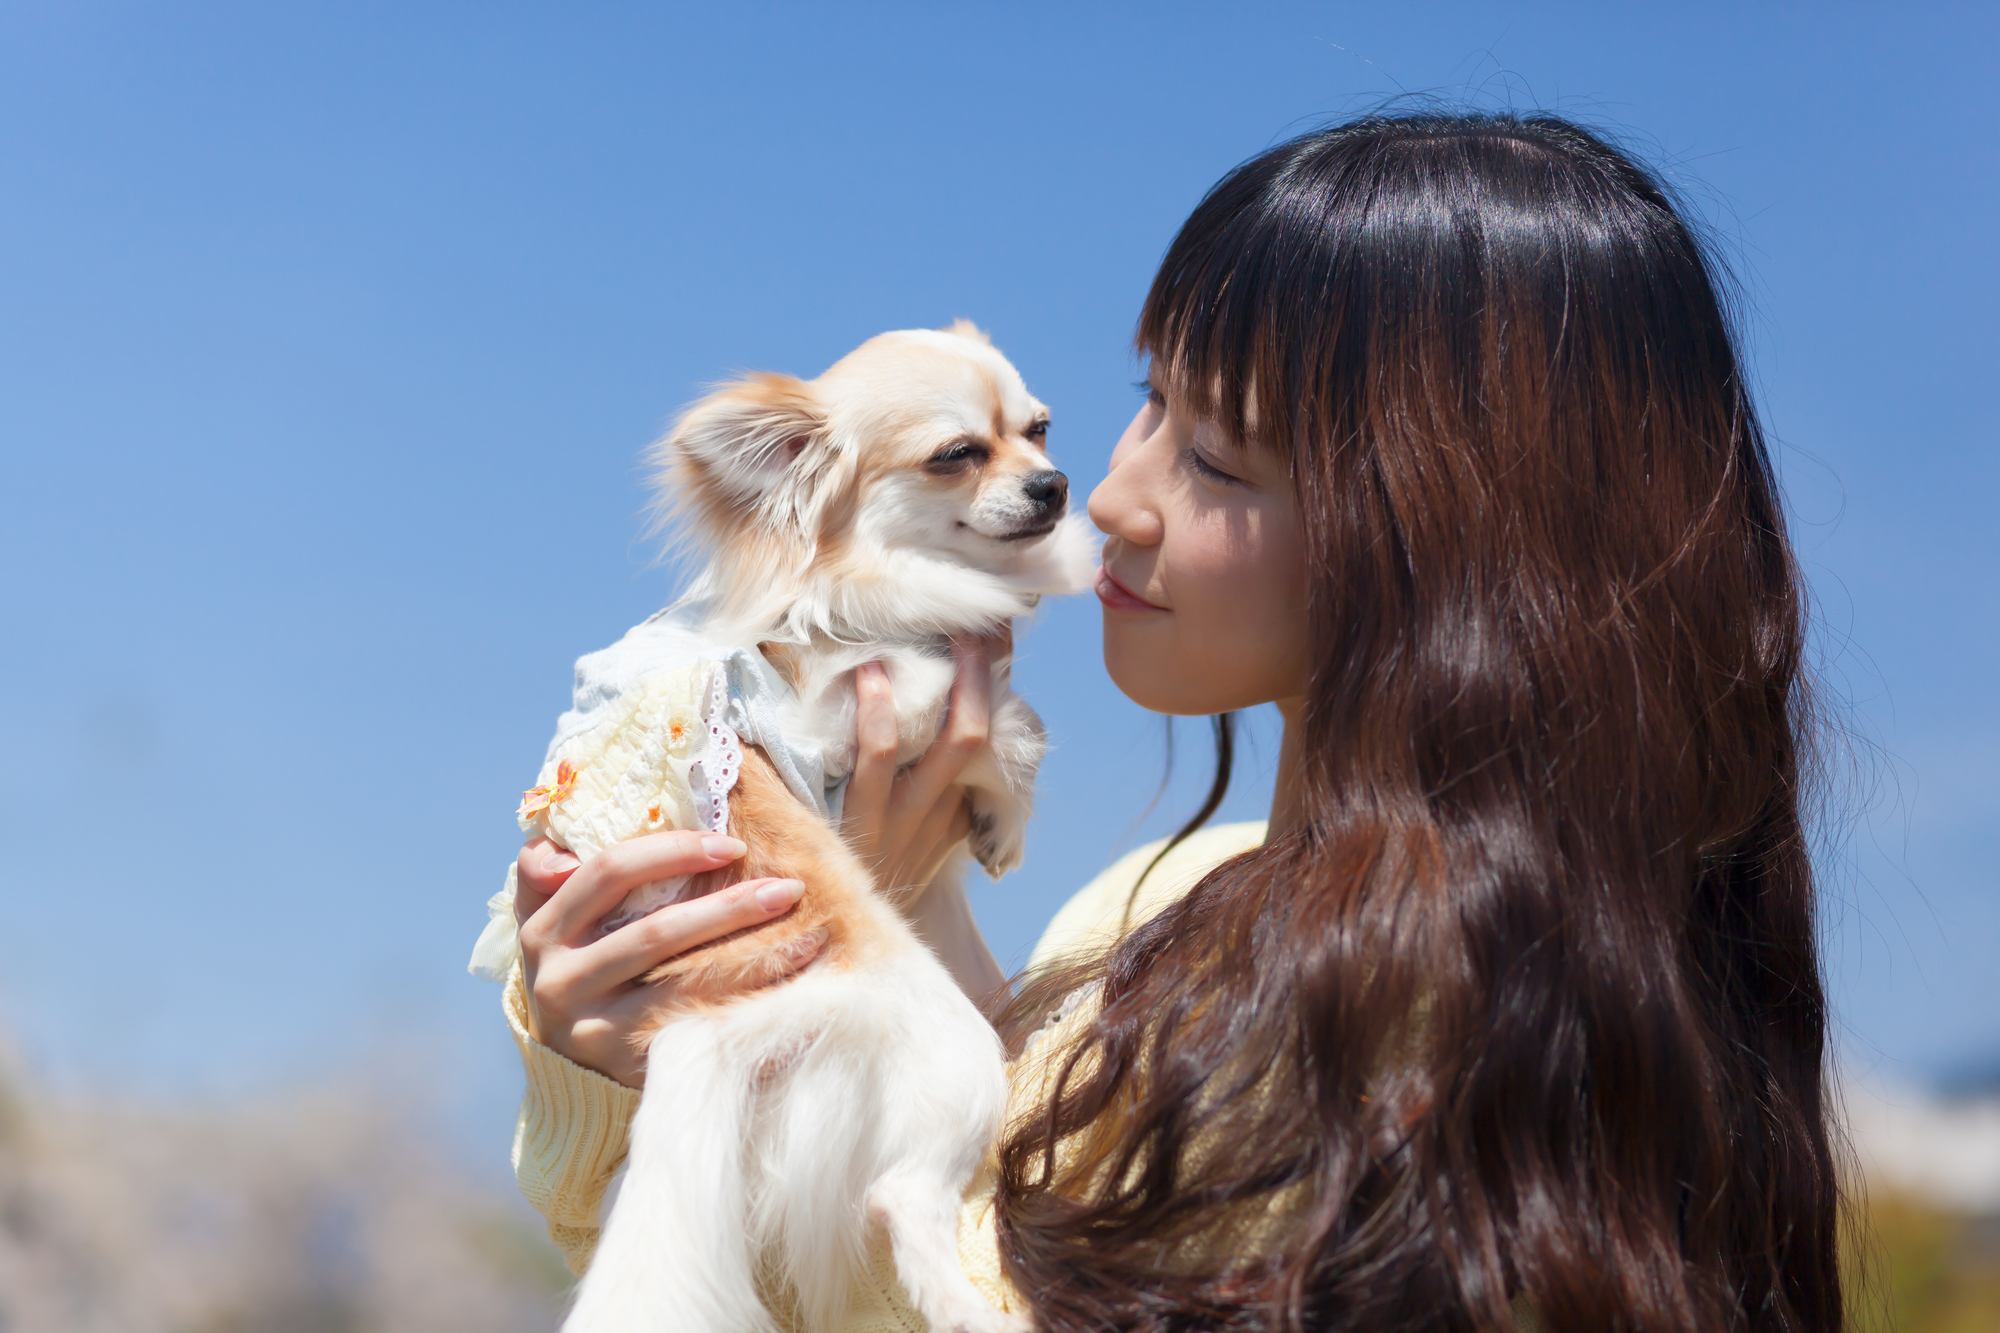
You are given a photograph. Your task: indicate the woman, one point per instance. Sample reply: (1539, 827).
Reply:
(1515, 1014)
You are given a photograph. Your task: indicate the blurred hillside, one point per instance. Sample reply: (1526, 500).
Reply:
(329, 1214)
(1927, 1269)
(1925, 1245)
(313, 1215)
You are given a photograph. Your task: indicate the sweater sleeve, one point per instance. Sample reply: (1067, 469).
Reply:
(572, 1136)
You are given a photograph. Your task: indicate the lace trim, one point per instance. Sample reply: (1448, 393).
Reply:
(710, 779)
(714, 775)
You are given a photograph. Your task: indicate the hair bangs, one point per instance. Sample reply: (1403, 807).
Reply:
(1222, 322)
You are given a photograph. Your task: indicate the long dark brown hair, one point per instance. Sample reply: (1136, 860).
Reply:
(1529, 1011)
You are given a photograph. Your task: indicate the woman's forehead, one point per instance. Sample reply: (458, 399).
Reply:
(1161, 374)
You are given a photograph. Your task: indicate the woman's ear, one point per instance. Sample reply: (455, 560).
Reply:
(748, 443)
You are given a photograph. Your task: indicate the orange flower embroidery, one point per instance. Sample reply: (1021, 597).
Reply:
(682, 729)
(539, 799)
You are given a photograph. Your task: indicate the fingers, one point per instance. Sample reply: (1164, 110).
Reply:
(634, 950)
(943, 829)
(943, 824)
(573, 912)
(964, 732)
(998, 645)
(971, 695)
(540, 870)
(867, 800)
(957, 829)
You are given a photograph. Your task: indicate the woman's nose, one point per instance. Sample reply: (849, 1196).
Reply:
(1121, 505)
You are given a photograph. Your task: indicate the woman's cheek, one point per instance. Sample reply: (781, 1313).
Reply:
(1241, 642)
(1248, 633)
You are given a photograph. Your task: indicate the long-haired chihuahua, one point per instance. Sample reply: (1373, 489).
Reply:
(903, 497)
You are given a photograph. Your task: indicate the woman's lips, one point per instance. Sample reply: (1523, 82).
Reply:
(1118, 597)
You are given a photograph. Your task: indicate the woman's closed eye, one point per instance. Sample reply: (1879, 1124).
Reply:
(1202, 467)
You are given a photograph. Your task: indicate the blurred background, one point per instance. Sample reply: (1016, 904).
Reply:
(329, 339)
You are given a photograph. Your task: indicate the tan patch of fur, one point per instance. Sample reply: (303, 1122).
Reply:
(784, 659)
(828, 924)
(1013, 458)
(688, 485)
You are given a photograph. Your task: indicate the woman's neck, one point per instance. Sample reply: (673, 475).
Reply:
(1288, 796)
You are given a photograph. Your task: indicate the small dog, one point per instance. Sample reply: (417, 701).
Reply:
(902, 497)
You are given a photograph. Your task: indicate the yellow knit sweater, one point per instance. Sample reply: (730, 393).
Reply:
(574, 1123)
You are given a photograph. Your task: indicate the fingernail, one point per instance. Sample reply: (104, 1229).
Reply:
(780, 894)
(722, 847)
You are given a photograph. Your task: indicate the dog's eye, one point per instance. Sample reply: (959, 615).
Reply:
(1038, 431)
(957, 457)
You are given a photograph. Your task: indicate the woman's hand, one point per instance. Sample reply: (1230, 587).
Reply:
(904, 825)
(584, 1000)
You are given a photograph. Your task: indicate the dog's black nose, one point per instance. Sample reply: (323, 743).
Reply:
(1049, 491)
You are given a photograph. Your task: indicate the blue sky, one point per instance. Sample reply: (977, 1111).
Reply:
(330, 335)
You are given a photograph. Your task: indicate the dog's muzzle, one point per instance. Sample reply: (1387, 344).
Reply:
(1047, 494)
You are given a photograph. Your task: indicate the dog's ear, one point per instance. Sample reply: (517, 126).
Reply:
(757, 449)
(738, 444)
(965, 328)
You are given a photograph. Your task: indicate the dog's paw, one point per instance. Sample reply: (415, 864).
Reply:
(997, 844)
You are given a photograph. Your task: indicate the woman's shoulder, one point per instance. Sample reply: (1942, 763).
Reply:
(1106, 908)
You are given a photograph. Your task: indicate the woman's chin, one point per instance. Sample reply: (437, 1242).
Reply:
(1153, 675)
(1153, 668)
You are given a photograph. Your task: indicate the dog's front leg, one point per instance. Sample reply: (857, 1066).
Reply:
(1000, 784)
